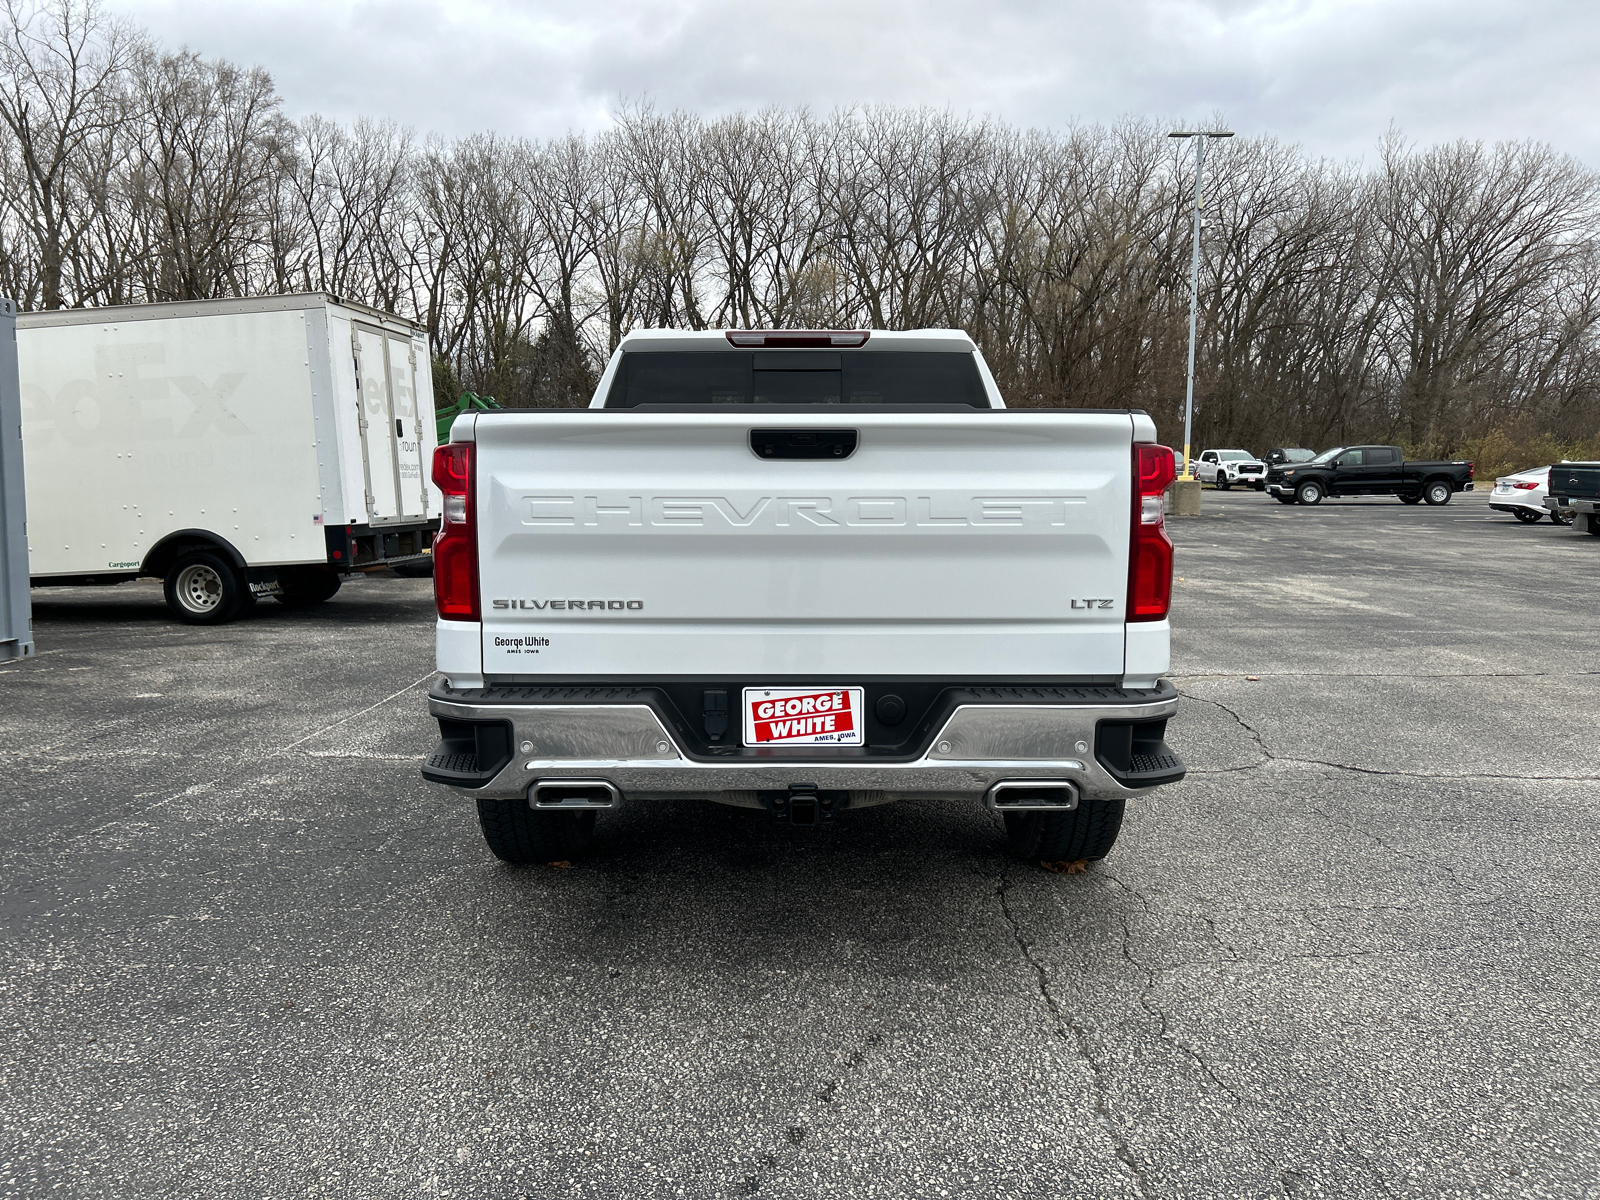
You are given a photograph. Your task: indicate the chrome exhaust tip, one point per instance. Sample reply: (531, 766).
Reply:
(1032, 795)
(573, 794)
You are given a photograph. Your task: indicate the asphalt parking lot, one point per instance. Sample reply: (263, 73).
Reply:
(249, 952)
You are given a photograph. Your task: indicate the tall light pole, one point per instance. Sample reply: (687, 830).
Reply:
(1200, 136)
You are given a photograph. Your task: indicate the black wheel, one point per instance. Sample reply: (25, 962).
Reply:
(1561, 517)
(1437, 492)
(519, 833)
(1591, 524)
(422, 570)
(203, 588)
(1411, 499)
(1088, 831)
(1223, 483)
(1526, 515)
(303, 587)
(1309, 492)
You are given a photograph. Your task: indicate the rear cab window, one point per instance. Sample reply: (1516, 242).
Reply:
(796, 377)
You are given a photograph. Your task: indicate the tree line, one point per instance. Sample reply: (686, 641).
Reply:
(1427, 297)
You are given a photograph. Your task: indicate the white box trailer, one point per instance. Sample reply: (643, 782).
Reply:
(232, 448)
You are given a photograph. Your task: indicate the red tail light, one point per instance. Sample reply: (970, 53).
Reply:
(1471, 470)
(1150, 554)
(1525, 486)
(455, 547)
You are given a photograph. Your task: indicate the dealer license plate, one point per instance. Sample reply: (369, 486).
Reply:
(808, 716)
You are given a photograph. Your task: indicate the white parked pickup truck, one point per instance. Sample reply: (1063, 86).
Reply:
(803, 572)
(1224, 468)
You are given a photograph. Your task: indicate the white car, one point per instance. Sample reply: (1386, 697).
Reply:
(1224, 468)
(1522, 495)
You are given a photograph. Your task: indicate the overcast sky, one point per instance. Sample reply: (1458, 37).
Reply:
(1329, 74)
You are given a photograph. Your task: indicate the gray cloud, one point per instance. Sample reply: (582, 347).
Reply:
(1330, 74)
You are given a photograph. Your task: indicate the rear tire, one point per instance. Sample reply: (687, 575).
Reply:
(203, 588)
(1308, 493)
(1526, 515)
(1437, 492)
(1561, 518)
(303, 588)
(519, 833)
(1087, 832)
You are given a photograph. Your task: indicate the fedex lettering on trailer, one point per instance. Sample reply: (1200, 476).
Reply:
(803, 716)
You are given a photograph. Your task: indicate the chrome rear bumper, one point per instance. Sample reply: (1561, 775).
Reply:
(976, 747)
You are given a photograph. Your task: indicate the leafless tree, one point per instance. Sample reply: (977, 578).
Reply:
(63, 80)
(1446, 293)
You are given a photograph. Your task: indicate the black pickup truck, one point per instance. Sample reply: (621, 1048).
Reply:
(1576, 486)
(1367, 471)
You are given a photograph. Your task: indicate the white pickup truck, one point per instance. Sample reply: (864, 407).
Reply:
(803, 572)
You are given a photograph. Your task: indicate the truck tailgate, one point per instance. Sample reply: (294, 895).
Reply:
(638, 545)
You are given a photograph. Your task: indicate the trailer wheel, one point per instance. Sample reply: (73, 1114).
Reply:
(303, 588)
(203, 588)
(1437, 492)
(1088, 831)
(518, 833)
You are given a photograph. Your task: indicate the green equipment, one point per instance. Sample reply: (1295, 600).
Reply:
(469, 402)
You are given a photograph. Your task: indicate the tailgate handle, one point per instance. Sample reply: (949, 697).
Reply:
(803, 443)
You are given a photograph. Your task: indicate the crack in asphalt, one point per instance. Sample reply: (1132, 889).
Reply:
(1267, 756)
(1351, 828)
(1160, 1014)
(1146, 1002)
(1074, 1034)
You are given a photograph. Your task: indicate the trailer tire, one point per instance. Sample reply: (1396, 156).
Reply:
(303, 588)
(518, 833)
(203, 588)
(1086, 832)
